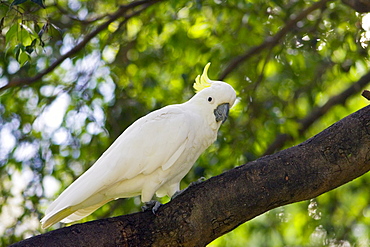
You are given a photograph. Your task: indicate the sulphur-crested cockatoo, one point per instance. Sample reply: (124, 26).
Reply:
(150, 156)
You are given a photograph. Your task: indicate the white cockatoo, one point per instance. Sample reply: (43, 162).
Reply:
(150, 156)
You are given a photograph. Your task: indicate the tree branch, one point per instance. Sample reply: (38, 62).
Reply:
(361, 6)
(366, 94)
(208, 210)
(318, 112)
(121, 12)
(271, 41)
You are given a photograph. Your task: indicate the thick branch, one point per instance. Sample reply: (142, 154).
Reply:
(318, 112)
(366, 94)
(121, 12)
(204, 212)
(272, 41)
(361, 6)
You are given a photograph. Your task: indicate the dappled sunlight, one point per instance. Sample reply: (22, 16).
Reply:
(74, 76)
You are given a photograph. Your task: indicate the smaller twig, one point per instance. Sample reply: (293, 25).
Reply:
(366, 94)
(318, 112)
(273, 40)
(76, 18)
(121, 12)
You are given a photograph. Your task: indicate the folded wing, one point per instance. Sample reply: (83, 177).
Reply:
(152, 142)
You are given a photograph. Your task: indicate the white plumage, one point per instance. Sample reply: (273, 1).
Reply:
(151, 156)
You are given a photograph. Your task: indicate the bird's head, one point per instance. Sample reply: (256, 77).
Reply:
(217, 96)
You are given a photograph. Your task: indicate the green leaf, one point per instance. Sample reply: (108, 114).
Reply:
(23, 58)
(11, 33)
(30, 48)
(17, 50)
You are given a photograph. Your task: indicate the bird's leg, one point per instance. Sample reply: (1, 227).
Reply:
(151, 205)
(179, 192)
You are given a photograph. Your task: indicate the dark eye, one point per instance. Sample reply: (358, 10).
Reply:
(210, 99)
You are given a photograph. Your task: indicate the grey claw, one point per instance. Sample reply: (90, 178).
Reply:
(151, 205)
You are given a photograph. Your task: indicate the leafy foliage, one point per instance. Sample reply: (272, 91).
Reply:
(52, 130)
(39, 2)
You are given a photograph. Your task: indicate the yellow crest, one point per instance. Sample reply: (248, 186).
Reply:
(202, 81)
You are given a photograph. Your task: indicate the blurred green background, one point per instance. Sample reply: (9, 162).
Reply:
(52, 130)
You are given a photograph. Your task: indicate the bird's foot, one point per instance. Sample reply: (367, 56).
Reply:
(179, 192)
(151, 205)
(200, 180)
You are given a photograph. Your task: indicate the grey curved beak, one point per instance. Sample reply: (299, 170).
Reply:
(222, 112)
